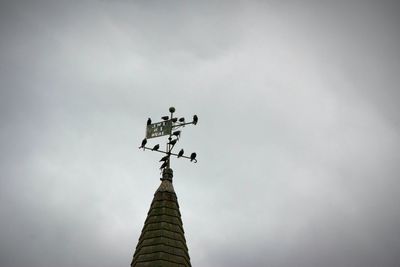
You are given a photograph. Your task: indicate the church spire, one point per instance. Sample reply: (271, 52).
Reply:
(162, 242)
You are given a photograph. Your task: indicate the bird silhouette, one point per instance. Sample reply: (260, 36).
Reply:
(193, 157)
(177, 133)
(174, 119)
(195, 119)
(165, 164)
(148, 121)
(180, 154)
(182, 119)
(156, 147)
(144, 142)
(172, 142)
(165, 118)
(165, 158)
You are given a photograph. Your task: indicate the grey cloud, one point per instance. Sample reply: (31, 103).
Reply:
(297, 139)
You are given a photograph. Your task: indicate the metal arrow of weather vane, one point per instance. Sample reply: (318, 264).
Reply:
(169, 125)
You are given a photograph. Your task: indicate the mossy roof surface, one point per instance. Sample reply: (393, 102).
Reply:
(162, 242)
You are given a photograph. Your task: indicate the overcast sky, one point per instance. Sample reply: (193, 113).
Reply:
(298, 137)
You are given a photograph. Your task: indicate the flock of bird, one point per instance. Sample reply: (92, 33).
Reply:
(171, 142)
(174, 120)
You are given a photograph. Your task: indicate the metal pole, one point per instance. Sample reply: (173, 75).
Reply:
(170, 153)
(182, 124)
(170, 139)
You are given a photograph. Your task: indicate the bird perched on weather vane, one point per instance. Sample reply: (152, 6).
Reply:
(168, 127)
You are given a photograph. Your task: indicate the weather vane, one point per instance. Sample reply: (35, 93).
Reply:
(169, 125)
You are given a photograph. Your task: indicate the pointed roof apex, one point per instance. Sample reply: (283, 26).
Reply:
(168, 173)
(162, 242)
(166, 181)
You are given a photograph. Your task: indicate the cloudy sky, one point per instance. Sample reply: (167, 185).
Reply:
(298, 138)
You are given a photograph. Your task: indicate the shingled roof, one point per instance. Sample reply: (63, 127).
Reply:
(162, 242)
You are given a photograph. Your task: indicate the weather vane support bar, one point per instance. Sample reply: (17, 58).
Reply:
(167, 126)
(170, 153)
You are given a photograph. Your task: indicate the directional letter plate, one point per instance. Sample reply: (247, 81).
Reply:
(159, 129)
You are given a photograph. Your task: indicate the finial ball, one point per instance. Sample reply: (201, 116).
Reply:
(172, 109)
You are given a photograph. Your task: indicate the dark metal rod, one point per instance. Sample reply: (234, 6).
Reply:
(167, 153)
(170, 147)
(182, 124)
